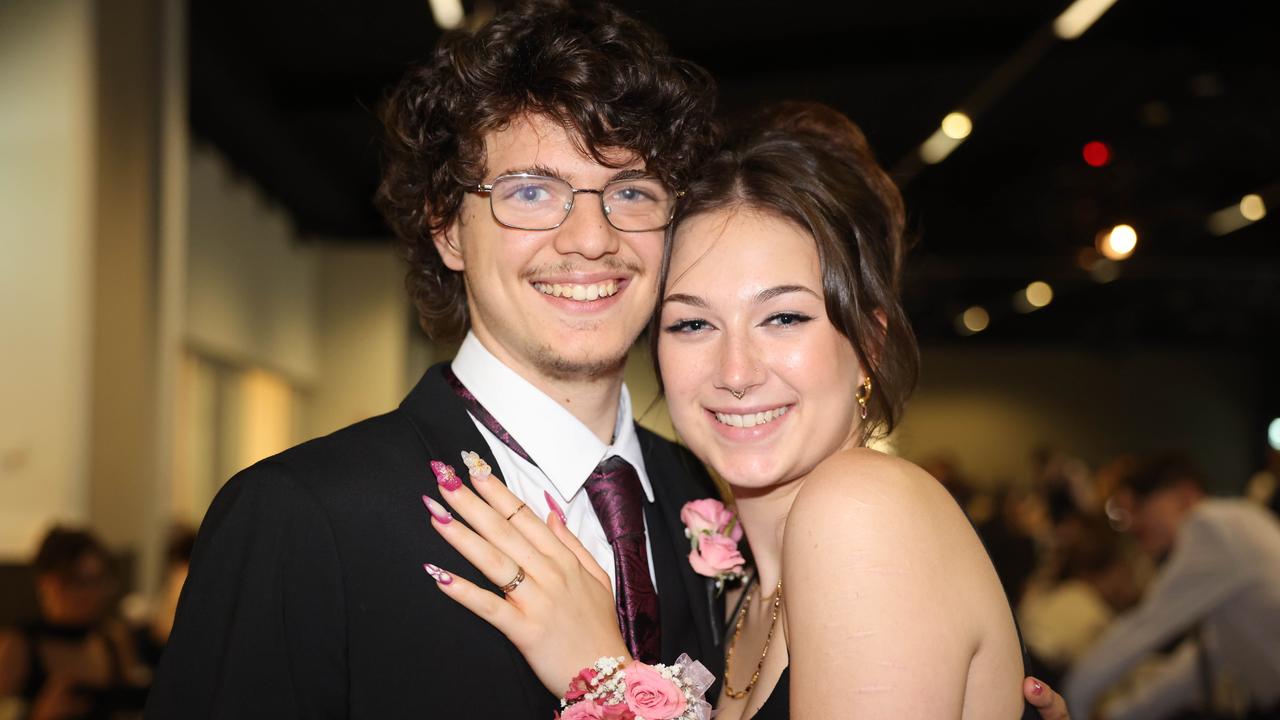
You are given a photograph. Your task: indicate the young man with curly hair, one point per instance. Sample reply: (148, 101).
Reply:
(531, 169)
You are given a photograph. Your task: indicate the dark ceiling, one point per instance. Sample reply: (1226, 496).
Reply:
(1186, 94)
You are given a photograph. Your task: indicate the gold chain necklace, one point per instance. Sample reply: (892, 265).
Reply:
(737, 631)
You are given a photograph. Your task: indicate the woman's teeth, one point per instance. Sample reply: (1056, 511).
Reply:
(578, 292)
(752, 420)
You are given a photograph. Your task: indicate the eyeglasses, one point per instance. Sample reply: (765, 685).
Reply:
(537, 202)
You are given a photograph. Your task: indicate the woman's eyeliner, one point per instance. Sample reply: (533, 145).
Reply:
(785, 319)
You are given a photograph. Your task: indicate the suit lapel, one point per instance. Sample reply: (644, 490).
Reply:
(683, 594)
(441, 421)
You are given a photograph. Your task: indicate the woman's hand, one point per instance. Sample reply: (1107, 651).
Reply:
(561, 615)
(1049, 703)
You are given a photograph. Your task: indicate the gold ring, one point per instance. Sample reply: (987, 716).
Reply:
(513, 512)
(515, 581)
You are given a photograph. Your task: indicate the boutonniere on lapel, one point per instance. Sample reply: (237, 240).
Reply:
(714, 533)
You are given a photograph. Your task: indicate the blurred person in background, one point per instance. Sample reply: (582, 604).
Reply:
(75, 660)
(1264, 486)
(1218, 585)
(1088, 583)
(153, 635)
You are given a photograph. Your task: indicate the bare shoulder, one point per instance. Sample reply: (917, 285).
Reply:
(861, 489)
(879, 553)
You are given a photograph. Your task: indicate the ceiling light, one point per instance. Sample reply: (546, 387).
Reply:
(448, 14)
(937, 147)
(973, 320)
(1273, 434)
(1039, 294)
(1249, 210)
(1117, 243)
(1096, 154)
(1078, 18)
(957, 126)
(1252, 207)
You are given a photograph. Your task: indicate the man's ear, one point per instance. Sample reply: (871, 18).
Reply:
(449, 246)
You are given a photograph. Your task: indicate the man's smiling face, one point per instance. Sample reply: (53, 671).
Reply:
(565, 303)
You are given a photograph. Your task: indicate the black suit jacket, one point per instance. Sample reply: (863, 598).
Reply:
(307, 598)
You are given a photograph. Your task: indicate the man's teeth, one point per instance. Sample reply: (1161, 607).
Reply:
(752, 420)
(579, 292)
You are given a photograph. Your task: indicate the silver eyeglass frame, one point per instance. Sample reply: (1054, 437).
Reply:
(487, 188)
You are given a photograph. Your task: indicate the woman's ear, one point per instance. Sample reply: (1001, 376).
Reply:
(449, 245)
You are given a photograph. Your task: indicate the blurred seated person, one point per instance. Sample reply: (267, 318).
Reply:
(154, 635)
(74, 661)
(1218, 586)
(1088, 582)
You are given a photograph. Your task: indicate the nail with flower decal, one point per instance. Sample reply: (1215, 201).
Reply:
(437, 511)
(437, 574)
(476, 466)
(446, 476)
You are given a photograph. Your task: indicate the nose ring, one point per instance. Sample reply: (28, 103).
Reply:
(736, 393)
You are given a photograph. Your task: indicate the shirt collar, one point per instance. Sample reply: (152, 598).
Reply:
(561, 445)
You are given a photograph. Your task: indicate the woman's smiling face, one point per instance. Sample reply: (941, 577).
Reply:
(743, 314)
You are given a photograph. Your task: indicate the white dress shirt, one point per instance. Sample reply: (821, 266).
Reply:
(564, 449)
(1223, 575)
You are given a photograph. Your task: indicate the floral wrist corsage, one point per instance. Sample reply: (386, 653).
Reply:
(713, 533)
(610, 690)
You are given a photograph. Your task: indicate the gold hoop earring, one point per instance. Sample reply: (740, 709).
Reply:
(862, 396)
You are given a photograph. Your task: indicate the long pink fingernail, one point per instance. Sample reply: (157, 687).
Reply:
(446, 476)
(555, 506)
(437, 510)
(437, 574)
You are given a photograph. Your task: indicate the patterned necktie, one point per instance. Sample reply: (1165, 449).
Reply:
(616, 495)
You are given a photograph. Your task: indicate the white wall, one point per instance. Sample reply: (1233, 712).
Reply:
(46, 226)
(252, 287)
(364, 335)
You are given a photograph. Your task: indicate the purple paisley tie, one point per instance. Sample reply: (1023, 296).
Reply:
(616, 495)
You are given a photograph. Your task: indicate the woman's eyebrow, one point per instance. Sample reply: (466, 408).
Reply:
(770, 293)
(685, 298)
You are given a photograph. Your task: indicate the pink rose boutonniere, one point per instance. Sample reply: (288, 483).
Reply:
(713, 533)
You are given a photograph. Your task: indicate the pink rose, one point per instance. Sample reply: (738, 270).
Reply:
(651, 695)
(716, 554)
(617, 712)
(580, 685)
(707, 514)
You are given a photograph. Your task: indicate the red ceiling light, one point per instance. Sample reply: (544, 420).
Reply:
(1097, 154)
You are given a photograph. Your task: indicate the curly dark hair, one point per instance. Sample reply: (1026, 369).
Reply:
(606, 77)
(810, 165)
